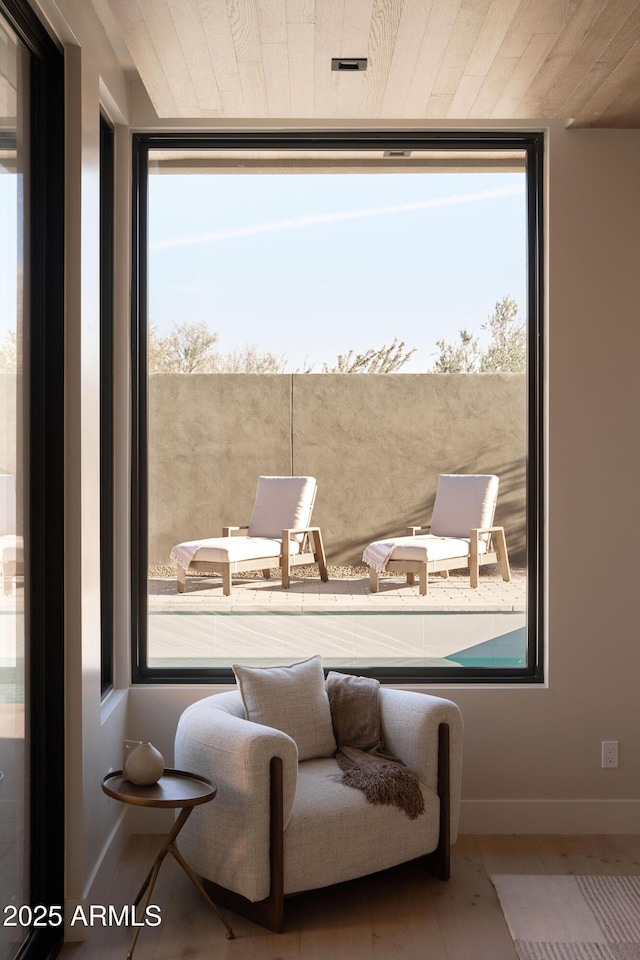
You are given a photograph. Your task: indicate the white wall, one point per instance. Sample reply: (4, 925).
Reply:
(545, 744)
(532, 755)
(94, 730)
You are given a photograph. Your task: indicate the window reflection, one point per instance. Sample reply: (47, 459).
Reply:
(14, 93)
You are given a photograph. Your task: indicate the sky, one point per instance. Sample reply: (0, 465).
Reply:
(310, 266)
(8, 256)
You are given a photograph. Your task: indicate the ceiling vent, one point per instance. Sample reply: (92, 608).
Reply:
(348, 63)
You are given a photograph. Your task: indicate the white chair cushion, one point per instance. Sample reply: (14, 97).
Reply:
(7, 504)
(432, 548)
(232, 549)
(11, 549)
(463, 502)
(349, 836)
(282, 503)
(291, 699)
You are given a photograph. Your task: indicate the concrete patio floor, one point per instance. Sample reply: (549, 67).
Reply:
(310, 594)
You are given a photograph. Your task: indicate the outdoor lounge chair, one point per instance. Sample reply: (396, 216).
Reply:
(461, 535)
(11, 545)
(278, 535)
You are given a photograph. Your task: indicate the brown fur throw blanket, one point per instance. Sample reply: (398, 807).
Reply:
(355, 714)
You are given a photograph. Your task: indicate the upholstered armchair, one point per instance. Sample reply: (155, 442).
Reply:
(281, 824)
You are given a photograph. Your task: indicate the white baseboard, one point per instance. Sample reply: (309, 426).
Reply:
(76, 932)
(97, 890)
(97, 887)
(550, 816)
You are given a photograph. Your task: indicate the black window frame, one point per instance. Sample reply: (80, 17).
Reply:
(44, 509)
(107, 212)
(531, 143)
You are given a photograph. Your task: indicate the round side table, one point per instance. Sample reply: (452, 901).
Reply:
(176, 788)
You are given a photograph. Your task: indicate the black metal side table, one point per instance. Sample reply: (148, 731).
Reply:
(176, 788)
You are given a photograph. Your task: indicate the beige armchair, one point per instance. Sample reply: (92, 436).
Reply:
(279, 827)
(461, 534)
(278, 535)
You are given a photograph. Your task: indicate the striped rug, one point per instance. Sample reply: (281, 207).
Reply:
(571, 918)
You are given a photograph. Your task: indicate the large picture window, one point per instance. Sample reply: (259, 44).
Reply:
(362, 310)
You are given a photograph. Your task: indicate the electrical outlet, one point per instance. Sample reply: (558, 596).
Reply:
(609, 753)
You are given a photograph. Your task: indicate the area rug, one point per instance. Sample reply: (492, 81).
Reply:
(571, 918)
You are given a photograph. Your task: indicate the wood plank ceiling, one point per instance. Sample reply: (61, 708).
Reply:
(577, 60)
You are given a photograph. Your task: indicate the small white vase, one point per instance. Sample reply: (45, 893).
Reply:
(145, 765)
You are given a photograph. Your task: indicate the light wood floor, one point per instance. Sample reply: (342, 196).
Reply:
(402, 913)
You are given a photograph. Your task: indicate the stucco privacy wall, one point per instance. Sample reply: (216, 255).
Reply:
(8, 404)
(375, 443)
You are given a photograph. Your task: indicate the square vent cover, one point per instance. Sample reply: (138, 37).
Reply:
(348, 63)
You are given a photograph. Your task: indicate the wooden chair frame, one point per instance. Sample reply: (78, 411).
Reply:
(269, 912)
(496, 552)
(10, 570)
(311, 551)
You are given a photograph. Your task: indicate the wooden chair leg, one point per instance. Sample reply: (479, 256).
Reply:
(474, 566)
(503, 557)
(318, 553)
(424, 580)
(10, 570)
(443, 852)
(286, 565)
(181, 578)
(226, 581)
(266, 573)
(374, 580)
(268, 913)
(411, 579)
(439, 862)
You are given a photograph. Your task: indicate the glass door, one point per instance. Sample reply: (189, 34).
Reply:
(31, 487)
(14, 758)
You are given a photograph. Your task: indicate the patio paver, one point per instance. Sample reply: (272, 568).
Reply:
(351, 594)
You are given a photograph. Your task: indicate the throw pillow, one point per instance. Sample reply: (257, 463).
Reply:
(292, 699)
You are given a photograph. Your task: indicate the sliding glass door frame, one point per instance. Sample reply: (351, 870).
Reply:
(43, 400)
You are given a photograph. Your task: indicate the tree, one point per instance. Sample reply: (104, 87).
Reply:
(387, 359)
(459, 357)
(189, 348)
(9, 354)
(248, 359)
(506, 351)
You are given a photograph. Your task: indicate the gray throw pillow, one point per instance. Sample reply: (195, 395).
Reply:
(292, 699)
